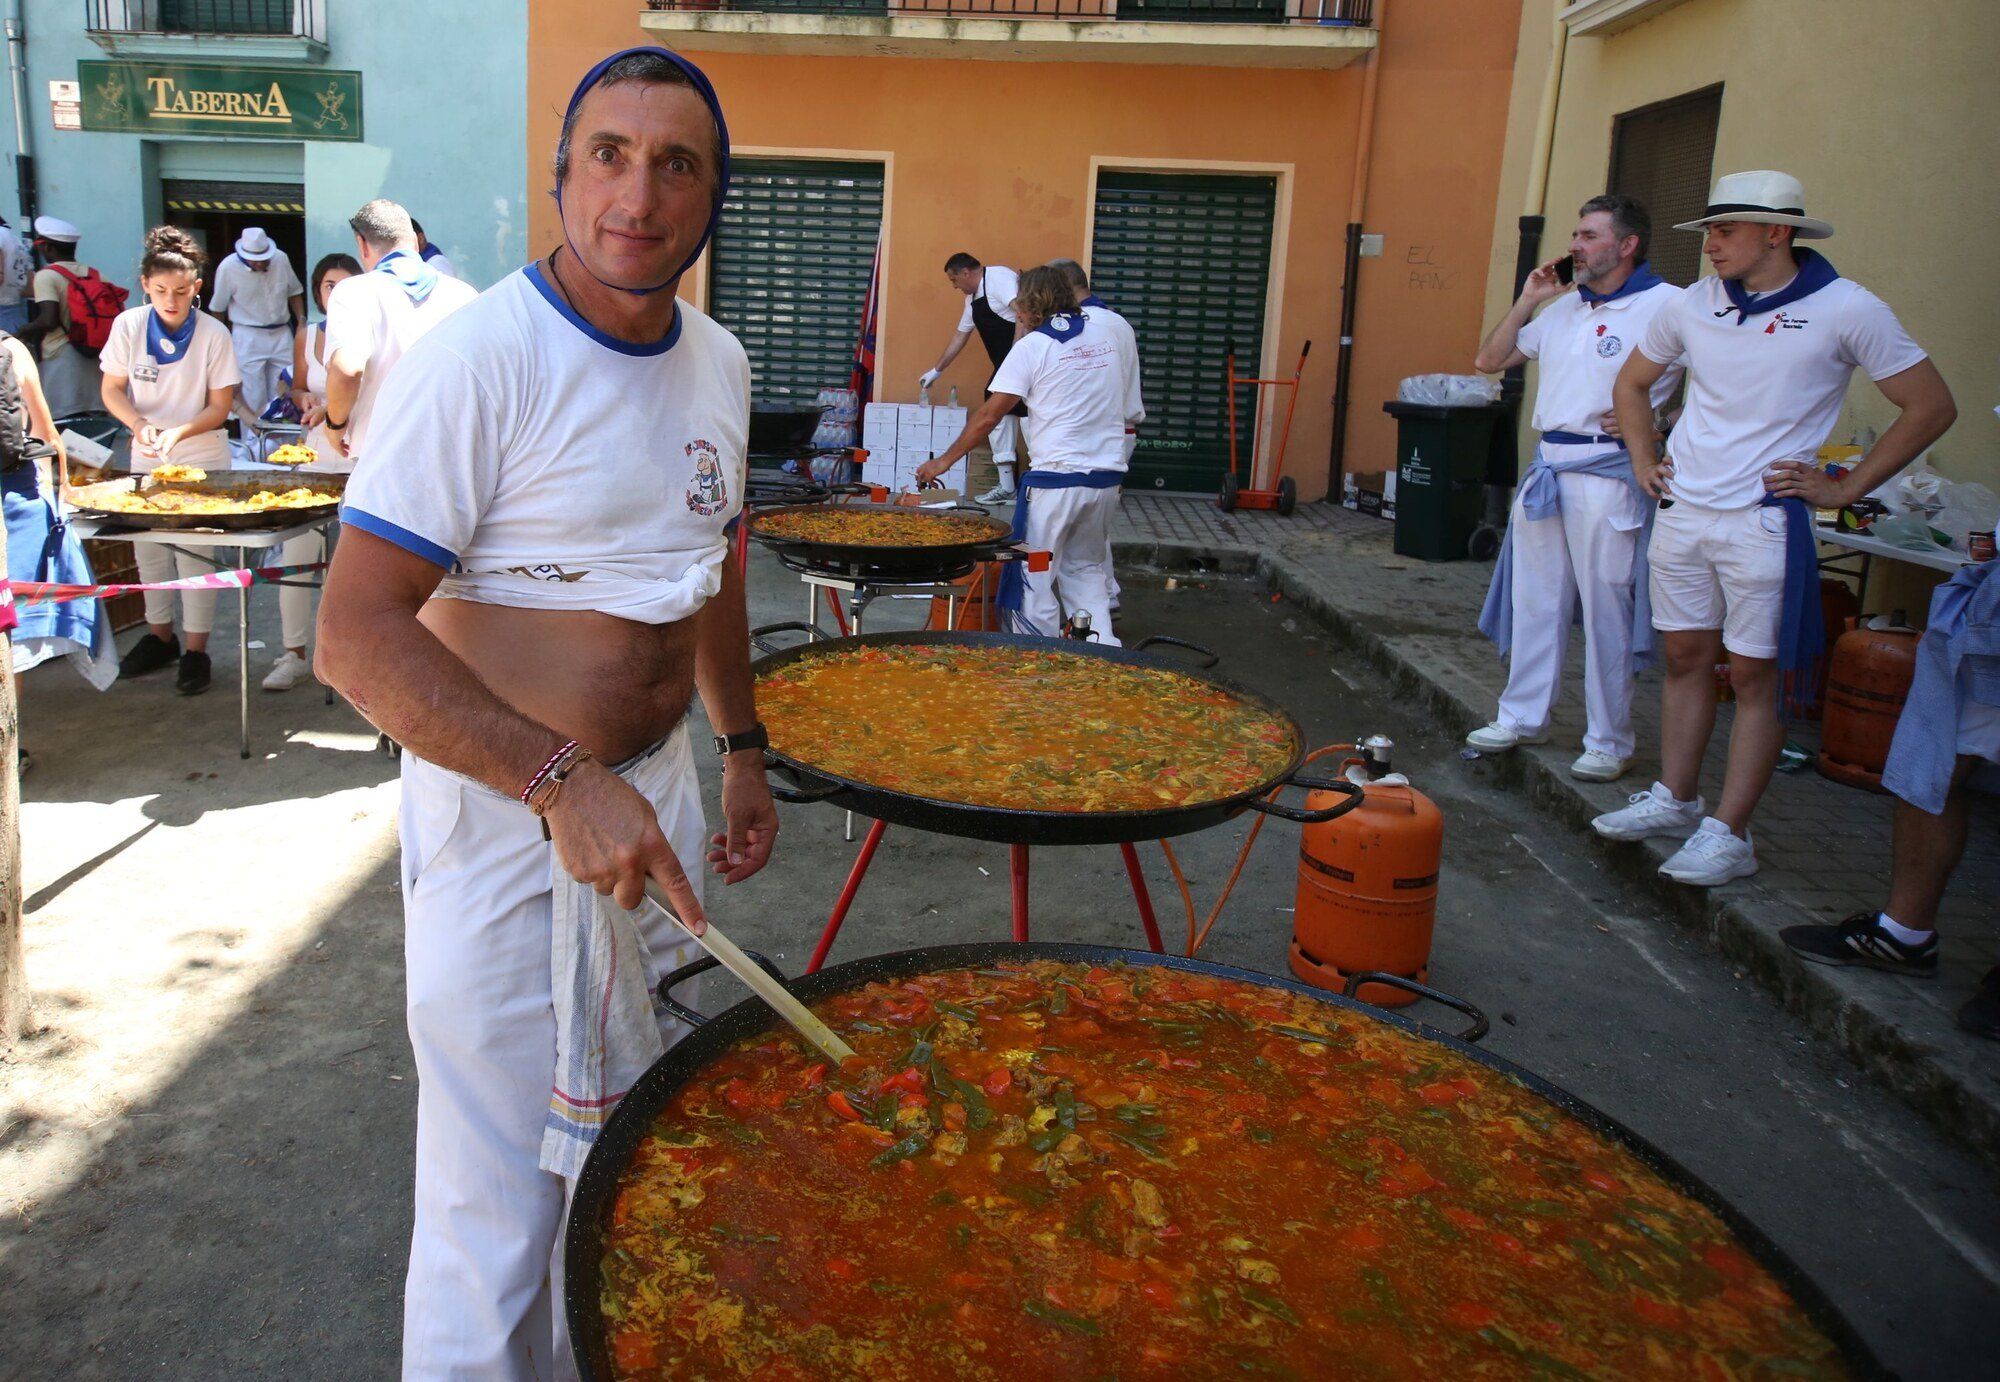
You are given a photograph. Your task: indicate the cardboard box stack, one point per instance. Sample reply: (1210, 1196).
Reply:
(900, 437)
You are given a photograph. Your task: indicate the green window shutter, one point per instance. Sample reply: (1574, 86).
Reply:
(789, 269)
(1186, 259)
(226, 16)
(1662, 154)
(1204, 12)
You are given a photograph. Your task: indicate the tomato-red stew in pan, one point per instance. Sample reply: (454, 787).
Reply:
(1055, 1170)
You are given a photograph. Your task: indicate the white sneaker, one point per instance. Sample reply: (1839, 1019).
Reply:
(1497, 738)
(997, 495)
(288, 671)
(1593, 766)
(1712, 856)
(1651, 812)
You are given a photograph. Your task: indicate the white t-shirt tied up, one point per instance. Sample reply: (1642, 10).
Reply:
(1071, 372)
(371, 316)
(1581, 349)
(546, 465)
(1769, 388)
(171, 393)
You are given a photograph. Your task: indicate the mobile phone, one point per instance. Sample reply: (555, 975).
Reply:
(1565, 268)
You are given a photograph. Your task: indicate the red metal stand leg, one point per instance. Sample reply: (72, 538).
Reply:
(1143, 898)
(833, 603)
(743, 549)
(1018, 867)
(854, 877)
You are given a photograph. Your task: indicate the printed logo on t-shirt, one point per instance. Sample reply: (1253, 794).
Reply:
(146, 374)
(547, 571)
(1608, 346)
(707, 492)
(1787, 321)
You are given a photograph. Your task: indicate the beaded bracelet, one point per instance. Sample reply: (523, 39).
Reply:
(543, 799)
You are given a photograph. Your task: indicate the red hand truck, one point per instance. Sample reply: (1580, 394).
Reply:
(1237, 494)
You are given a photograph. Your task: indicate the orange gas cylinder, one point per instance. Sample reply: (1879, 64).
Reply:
(1368, 891)
(1865, 690)
(978, 607)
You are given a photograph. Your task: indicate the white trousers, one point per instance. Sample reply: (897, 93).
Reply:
(156, 563)
(1587, 551)
(1074, 527)
(484, 1294)
(1005, 440)
(261, 351)
(295, 602)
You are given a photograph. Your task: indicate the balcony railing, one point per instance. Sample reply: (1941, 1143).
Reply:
(304, 19)
(1350, 13)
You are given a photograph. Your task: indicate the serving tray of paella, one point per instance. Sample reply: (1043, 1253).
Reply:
(889, 538)
(175, 497)
(1026, 740)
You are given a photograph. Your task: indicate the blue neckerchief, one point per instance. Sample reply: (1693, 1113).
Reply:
(413, 275)
(169, 347)
(1063, 326)
(430, 252)
(1014, 575)
(1815, 272)
(1639, 280)
(702, 89)
(1093, 300)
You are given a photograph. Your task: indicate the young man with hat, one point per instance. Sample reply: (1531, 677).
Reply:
(533, 584)
(1575, 545)
(259, 294)
(989, 313)
(71, 380)
(1770, 343)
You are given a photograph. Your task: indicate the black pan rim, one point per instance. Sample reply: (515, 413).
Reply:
(1016, 824)
(823, 554)
(78, 498)
(596, 1185)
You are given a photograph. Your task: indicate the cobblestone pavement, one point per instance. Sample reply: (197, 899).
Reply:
(1823, 848)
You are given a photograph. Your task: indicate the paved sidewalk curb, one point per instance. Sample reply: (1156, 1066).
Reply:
(1950, 1087)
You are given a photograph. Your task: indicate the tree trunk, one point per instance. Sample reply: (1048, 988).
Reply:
(14, 1008)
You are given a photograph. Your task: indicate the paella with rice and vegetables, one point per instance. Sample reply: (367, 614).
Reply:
(1051, 1169)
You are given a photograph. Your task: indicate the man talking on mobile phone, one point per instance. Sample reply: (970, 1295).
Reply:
(1576, 541)
(1769, 343)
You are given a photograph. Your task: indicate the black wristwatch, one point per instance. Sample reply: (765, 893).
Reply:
(755, 737)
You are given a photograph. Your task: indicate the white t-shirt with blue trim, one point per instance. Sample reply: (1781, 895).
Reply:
(1071, 371)
(547, 465)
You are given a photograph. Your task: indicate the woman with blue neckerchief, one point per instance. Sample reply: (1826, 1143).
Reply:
(170, 375)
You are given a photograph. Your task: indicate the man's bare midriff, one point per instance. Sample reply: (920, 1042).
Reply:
(613, 685)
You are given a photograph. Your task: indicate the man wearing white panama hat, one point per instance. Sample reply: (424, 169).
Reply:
(1770, 343)
(259, 293)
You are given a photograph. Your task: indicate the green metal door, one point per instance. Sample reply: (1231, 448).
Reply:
(789, 269)
(1187, 260)
(1204, 12)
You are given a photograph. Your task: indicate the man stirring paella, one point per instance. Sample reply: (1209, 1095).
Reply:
(507, 608)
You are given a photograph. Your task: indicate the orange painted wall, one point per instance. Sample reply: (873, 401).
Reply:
(995, 158)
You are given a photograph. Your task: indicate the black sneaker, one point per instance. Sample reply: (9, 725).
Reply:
(193, 679)
(149, 654)
(1860, 940)
(1980, 1013)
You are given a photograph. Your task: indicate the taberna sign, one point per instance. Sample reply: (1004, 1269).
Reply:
(245, 102)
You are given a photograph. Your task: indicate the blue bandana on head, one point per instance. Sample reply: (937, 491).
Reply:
(415, 277)
(1815, 272)
(168, 347)
(1639, 280)
(702, 89)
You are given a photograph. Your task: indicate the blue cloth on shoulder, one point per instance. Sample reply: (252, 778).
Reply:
(1541, 499)
(1014, 575)
(416, 278)
(1958, 661)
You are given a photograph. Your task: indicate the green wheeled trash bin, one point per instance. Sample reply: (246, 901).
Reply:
(1443, 457)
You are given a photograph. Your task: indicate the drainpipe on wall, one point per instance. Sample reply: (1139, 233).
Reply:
(1357, 204)
(24, 157)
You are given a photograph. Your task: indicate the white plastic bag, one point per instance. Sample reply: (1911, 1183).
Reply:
(1969, 507)
(1915, 489)
(1449, 390)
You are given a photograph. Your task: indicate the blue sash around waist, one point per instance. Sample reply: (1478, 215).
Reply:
(1014, 576)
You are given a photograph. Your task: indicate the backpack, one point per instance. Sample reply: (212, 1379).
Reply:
(18, 447)
(93, 305)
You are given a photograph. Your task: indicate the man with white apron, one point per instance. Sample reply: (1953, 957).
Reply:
(1770, 342)
(259, 294)
(533, 582)
(1576, 541)
(989, 313)
(1067, 367)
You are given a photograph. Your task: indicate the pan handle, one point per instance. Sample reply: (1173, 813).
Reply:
(1169, 640)
(1479, 1026)
(1352, 790)
(764, 645)
(797, 795)
(702, 966)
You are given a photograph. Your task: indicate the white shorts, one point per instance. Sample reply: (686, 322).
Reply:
(1720, 569)
(1978, 731)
